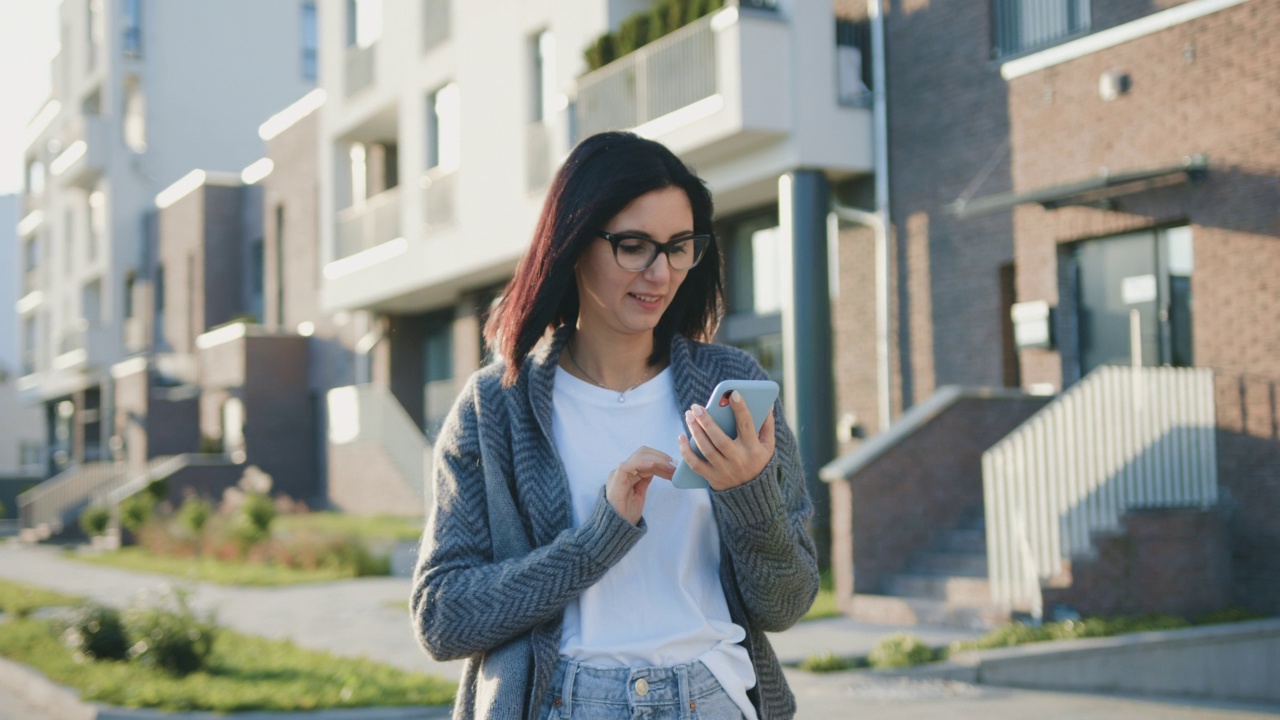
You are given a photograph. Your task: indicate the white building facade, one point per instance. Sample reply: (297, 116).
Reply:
(143, 91)
(445, 120)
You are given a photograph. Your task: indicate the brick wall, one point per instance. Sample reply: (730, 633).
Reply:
(280, 415)
(1173, 561)
(948, 124)
(1206, 86)
(893, 506)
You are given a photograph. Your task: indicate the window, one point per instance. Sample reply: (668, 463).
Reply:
(279, 266)
(435, 23)
(130, 284)
(31, 265)
(132, 44)
(308, 40)
(754, 285)
(158, 299)
(853, 62)
(437, 371)
(29, 345)
(35, 178)
(257, 281)
(68, 240)
(542, 48)
(135, 115)
(93, 32)
(1024, 25)
(97, 223)
(91, 303)
(444, 130)
(364, 22)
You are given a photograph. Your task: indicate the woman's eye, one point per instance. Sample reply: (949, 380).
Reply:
(632, 247)
(680, 248)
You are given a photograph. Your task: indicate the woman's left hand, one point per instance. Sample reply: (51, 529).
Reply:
(730, 462)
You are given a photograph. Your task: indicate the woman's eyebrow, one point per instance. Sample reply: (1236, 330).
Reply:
(647, 236)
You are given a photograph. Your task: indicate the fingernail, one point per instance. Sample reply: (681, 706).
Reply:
(736, 397)
(697, 410)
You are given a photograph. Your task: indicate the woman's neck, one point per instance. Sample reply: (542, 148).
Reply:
(617, 362)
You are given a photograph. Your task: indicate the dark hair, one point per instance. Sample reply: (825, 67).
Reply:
(602, 175)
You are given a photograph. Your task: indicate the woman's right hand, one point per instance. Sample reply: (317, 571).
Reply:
(629, 482)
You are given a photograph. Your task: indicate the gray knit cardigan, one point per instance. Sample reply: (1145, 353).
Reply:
(492, 589)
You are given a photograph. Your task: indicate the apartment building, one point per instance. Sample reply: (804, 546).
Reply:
(142, 93)
(444, 122)
(1073, 186)
(21, 438)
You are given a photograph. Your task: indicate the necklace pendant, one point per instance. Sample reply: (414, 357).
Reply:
(622, 398)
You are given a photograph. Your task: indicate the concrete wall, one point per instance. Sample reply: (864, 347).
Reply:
(1198, 87)
(1219, 662)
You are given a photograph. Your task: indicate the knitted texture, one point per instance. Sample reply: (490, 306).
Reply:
(466, 605)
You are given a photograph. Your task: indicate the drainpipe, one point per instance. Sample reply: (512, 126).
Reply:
(878, 220)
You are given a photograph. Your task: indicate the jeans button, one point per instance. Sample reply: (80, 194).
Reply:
(642, 687)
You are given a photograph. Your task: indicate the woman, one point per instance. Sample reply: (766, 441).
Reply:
(558, 559)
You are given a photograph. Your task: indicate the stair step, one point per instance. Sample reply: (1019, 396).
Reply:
(889, 610)
(961, 540)
(954, 589)
(963, 564)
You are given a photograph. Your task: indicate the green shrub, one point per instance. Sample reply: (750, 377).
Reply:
(900, 650)
(158, 490)
(194, 514)
(136, 511)
(209, 445)
(96, 632)
(168, 635)
(95, 519)
(252, 521)
(827, 662)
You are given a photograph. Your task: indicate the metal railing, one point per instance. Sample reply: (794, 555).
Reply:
(358, 68)
(1122, 438)
(1020, 26)
(663, 76)
(371, 223)
(49, 506)
(370, 413)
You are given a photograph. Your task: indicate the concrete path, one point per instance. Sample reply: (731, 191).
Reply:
(369, 617)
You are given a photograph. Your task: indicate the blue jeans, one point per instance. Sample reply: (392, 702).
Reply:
(681, 692)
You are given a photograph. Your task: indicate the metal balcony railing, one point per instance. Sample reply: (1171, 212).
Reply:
(359, 68)
(369, 224)
(663, 76)
(1020, 26)
(1120, 439)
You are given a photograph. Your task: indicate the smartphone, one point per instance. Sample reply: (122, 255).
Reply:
(759, 396)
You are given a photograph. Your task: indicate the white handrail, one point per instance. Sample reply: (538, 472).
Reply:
(1122, 438)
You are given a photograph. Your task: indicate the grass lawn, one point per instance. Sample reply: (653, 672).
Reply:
(244, 673)
(368, 527)
(19, 599)
(824, 606)
(209, 569)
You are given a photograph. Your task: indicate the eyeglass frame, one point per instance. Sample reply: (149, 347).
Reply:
(662, 248)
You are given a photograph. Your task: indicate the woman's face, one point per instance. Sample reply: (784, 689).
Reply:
(623, 301)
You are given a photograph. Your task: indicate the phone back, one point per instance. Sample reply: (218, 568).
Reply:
(759, 396)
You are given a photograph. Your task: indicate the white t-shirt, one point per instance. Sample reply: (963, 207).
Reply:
(663, 603)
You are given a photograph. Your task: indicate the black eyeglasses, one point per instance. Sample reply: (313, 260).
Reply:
(637, 253)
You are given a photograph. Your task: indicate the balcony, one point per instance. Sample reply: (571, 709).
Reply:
(369, 224)
(728, 85)
(84, 346)
(83, 157)
(359, 68)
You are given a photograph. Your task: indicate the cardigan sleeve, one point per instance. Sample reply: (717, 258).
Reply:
(463, 602)
(764, 526)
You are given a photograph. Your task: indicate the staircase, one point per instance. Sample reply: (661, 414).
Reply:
(54, 505)
(943, 584)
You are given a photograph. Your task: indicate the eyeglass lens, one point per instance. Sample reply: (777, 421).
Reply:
(637, 254)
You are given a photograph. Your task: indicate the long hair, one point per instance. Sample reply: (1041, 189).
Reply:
(602, 175)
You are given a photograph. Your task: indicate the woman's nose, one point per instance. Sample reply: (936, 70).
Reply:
(659, 269)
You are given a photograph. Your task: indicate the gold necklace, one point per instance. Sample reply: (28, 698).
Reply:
(622, 396)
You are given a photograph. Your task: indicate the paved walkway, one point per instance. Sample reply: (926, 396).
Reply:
(369, 617)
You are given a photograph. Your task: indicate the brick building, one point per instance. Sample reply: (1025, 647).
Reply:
(1110, 169)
